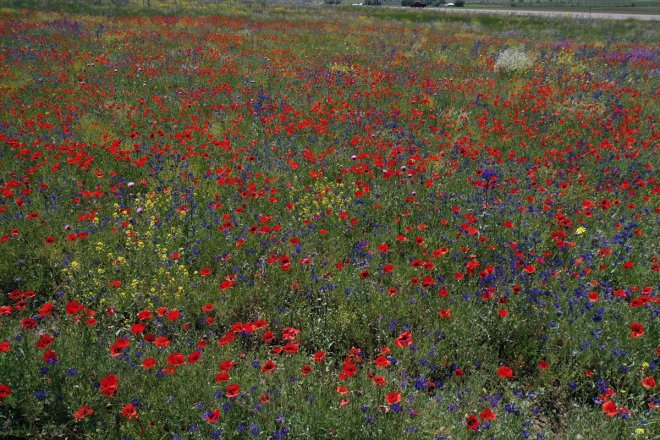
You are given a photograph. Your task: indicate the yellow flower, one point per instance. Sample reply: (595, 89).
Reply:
(580, 230)
(639, 431)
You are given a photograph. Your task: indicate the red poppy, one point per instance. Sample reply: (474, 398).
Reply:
(149, 363)
(292, 347)
(227, 338)
(145, 315)
(648, 382)
(268, 367)
(268, 336)
(73, 307)
(446, 313)
(44, 341)
(637, 330)
(83, 412)
(473, 423)
(487, 415)
(609, 408)
(50, 357)
(306, 370)
(5, 346)
(28, 323)
(543, 364)
(505, 372)
(393, 398)
(129, 411)
(529, 269)
(379, 380)
(109, 385)
(226, 365)
(120, 345)
(194, 357)
(4, 391)
(342, 390)
(349, 370)
(46, 310)
(259, 324)
(176, 359)
(381, 361)
(318, 356)
(212, 416)
(233, 390)
(221, 377)
(403, 340)
(162, 341)
(638, 302)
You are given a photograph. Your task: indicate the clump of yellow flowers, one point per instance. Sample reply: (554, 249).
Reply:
(322, 195)
(144, 242)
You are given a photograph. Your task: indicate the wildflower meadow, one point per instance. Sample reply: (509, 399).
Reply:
(328, 224)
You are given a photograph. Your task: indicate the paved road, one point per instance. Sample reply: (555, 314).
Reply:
(537, 13)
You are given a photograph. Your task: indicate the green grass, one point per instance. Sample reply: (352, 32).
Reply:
(236, 172)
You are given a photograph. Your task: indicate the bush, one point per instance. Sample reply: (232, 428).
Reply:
(459, 3)
(514, 60)
(332, 2)
(422, 3)
(372, 2)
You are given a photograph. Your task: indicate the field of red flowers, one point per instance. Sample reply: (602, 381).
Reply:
(343, 227)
